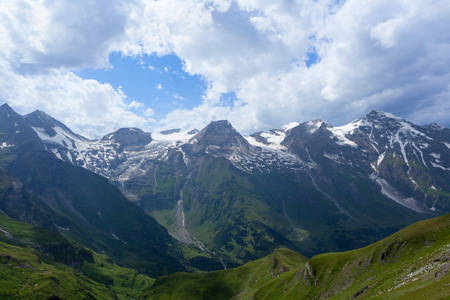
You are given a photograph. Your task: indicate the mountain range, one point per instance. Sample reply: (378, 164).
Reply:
(176, 200)
(310, 187)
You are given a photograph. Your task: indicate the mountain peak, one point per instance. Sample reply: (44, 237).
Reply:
(380, 121)
(41, 115)
(16, 131)
(220, 124)
(316, 124)
(7, 111)
(40, 112)
(434, 126)
(40, 119)
(128, 137)
(5, 106)
(221, 134)
(222, 127)
(377, 114)
(288, 126)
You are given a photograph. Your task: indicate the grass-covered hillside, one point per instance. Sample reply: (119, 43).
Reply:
(39, 264)
(413, 263)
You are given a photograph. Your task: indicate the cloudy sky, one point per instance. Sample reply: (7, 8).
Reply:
(101, 65)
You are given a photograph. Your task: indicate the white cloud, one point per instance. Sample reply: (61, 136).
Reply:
(135, 105)
(387, 54)
(386, 33)
(43, 41)
(176, 96)
(372, 55)
(148, 112)
(41, 35)
(88, 107)
(159, 86)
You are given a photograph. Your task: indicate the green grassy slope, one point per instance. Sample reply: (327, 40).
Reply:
(39, 264)
(413, 263)
(240, 282)
(242, 216)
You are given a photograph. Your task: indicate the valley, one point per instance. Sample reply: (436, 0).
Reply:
(368, 179)
(413, 263)
(215, 199)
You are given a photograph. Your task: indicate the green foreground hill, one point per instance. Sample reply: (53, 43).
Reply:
(413, 263)
(40, 264)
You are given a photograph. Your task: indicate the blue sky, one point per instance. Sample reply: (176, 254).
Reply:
(101, 65)
(160, 82)
(157, 81)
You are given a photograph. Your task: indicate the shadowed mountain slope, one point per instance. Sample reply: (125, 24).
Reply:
(82, 205)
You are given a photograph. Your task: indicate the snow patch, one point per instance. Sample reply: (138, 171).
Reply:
(314, 125)
(391, 193)
(376, 165)
(289, 126)
(334, 157)
(56, 153)
(341, 132)
(115, 236)
(62, 228)
(421, 155)
(274, 146)
(396, 139)
(380, 159)
(389, 115)
(172, 137)
(436, 155)
(439, 166)
(62, 138)
(6, 145)
(406, 127)
(274, 138)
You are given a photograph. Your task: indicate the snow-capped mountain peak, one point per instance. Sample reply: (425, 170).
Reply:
(288, 126)
(128, 137)
(315, 125)
(47, 125)
(219, 134)
(272, 138)
(368, 144)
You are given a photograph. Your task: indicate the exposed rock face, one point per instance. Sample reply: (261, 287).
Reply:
(444, 270)
(278, 267)
(306, 275)
(128, 138)
(358, 293)
(219, 138)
